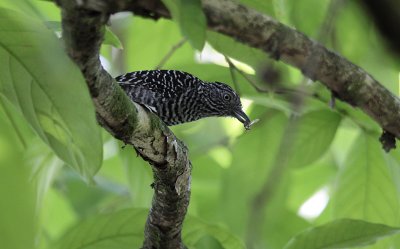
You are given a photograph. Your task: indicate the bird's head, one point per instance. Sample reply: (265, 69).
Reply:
(224, 101)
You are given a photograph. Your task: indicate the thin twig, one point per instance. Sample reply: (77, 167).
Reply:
(280, 90)
(244, 75)
(171, 52)
(232, 68)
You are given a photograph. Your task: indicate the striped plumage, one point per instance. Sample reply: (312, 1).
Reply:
(178, 97)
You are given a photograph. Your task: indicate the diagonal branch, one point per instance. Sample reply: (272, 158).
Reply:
(83, 32)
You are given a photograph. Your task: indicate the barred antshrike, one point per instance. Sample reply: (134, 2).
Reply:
(178, 97)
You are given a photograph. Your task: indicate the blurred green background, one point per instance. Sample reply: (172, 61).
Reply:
(300, 166)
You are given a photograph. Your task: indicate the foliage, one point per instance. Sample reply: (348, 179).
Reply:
(47, 123)
(341, 234)
(41, 91)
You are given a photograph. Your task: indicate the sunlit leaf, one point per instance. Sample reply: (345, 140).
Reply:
(37, 77)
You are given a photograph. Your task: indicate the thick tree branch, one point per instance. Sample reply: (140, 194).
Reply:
(349, 82)
(83, 34)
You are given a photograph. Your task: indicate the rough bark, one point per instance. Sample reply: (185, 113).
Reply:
(83, 33)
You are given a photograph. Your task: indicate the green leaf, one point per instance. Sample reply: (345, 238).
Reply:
(313, 136)
(42, 83)
(112, 39)
(109, 37)
(365, 188)
(191, 19)
(194, 229)
(123, 230)
(342, 233)
(22, 6)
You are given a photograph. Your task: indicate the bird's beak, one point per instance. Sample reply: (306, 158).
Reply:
(242, 117)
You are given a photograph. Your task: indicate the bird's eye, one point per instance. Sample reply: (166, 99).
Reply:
(227, 97)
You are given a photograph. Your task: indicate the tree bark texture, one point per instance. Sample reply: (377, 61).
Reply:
(83, 31)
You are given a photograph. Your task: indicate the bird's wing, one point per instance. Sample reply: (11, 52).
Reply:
(164, 83)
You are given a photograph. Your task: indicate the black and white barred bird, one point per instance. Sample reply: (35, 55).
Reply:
(178, 97)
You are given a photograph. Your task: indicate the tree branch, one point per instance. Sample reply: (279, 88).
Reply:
(83, 31)
(170, 53)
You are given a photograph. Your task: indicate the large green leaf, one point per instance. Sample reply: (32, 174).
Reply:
(342, 233)
(191, 19)
(195, 229)
(365, 188)
(42, 83)
(313, 136)
(123, 230)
